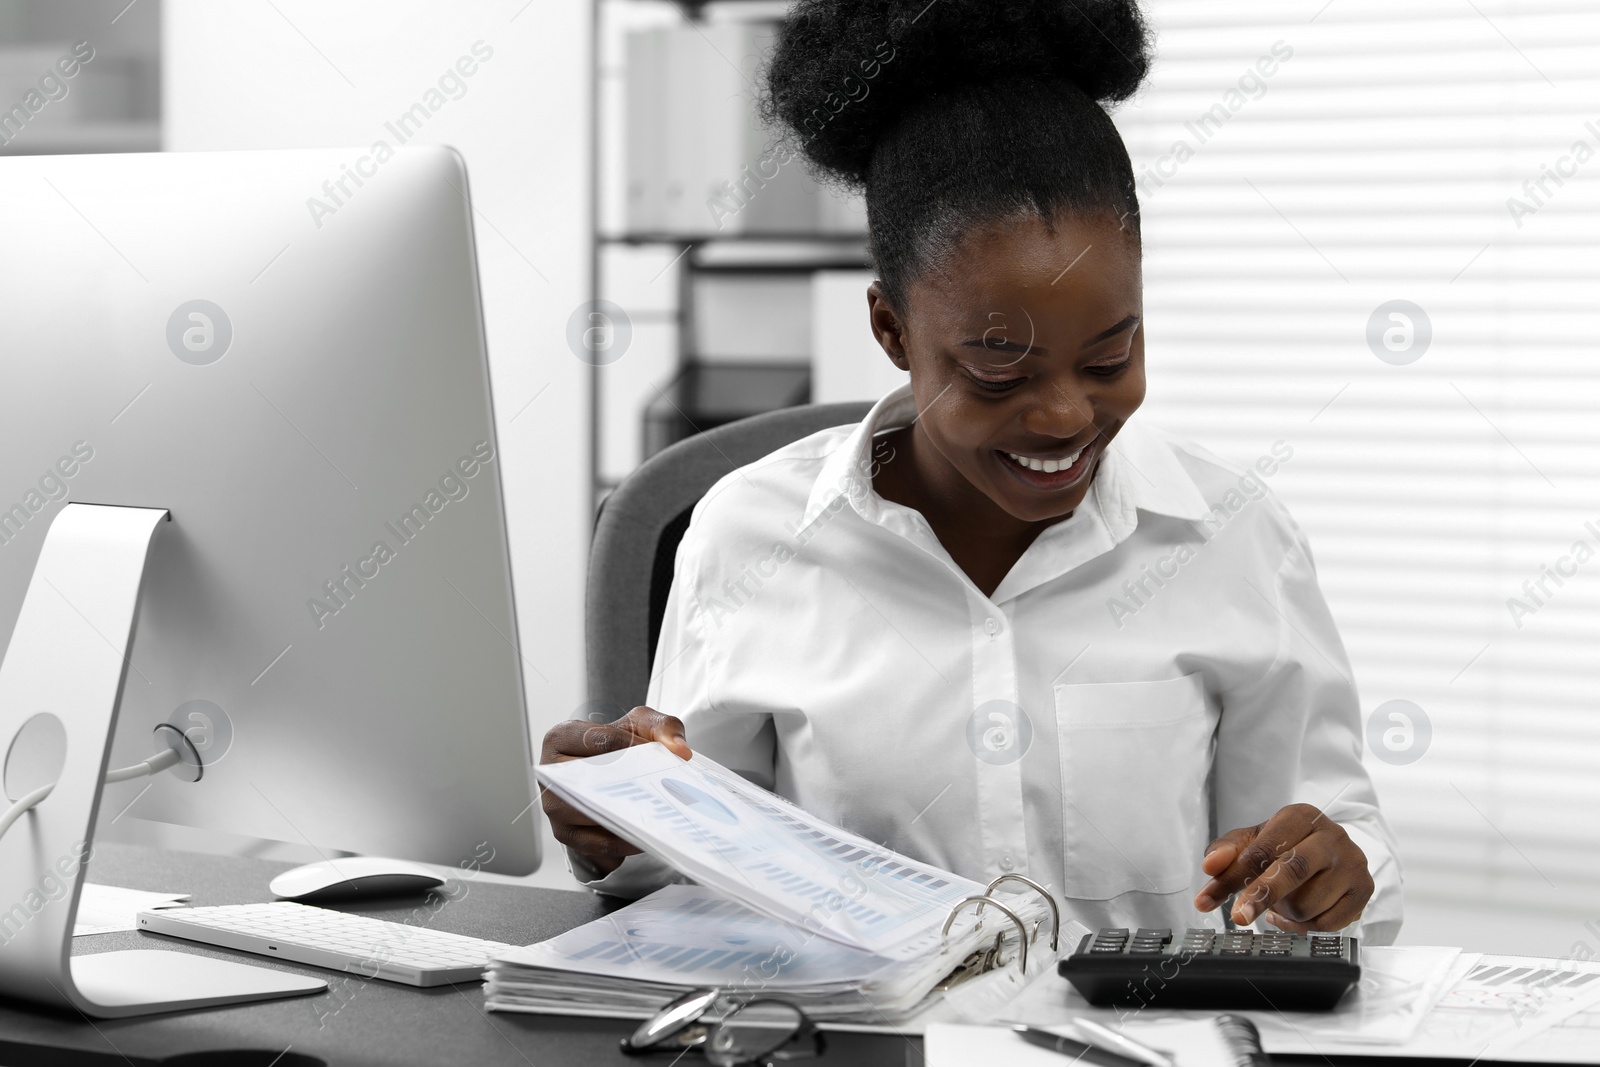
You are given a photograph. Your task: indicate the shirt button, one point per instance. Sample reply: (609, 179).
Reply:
(1006, 864)
(991, 626)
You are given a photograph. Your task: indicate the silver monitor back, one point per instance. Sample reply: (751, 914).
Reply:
(286, 350)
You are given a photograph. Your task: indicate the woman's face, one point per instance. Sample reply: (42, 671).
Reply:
(1026, 353)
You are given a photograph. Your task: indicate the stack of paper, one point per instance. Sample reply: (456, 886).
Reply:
(784, 901)
(689, 937)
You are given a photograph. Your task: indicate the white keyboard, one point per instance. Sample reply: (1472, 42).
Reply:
(371, 948)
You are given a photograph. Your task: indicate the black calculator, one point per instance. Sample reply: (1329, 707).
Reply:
(1220, 969)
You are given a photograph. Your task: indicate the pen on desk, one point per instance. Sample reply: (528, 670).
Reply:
(1076, 1049)
(1109, 1039)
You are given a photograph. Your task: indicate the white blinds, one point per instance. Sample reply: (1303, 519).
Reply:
(1374, 163)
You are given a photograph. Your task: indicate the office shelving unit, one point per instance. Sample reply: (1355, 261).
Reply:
(696, 394)
(112, 104)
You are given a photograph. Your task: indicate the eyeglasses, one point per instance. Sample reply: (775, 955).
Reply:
(762, 1032)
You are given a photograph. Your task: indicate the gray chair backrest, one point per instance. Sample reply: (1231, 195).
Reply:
(636, 539)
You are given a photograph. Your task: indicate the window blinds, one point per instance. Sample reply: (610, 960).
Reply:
(1303, 167)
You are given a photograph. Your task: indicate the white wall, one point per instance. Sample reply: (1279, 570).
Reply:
(847, 363)
(294, 73)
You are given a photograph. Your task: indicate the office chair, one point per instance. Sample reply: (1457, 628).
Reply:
(636, 539)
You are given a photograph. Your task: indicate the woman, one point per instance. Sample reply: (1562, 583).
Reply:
(1002, 625)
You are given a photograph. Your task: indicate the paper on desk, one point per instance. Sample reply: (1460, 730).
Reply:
(1195, 1043)
(1398, 986)
(1516, 1007)
(1492, 1008)
(105, 909)
(1572, 1039)
(1397, 989)
(1504, 1008)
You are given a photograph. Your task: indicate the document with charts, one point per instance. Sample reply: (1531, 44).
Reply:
(783, 900)
(758, 848)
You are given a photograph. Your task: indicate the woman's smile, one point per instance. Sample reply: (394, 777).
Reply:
(1050, 472)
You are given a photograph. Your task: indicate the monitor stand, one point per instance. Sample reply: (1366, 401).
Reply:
(60, 685)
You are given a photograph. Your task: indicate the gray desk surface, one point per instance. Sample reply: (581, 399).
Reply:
(357, 1021)
(361, 1022)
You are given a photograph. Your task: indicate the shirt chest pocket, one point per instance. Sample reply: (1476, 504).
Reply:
(1134, 802)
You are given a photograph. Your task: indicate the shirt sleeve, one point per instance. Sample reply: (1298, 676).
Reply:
(1294, 736)
(680, 684)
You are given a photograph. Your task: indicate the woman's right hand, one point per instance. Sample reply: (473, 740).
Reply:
(578, 739)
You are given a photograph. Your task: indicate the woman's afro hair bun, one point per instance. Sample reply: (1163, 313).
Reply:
(845, 70)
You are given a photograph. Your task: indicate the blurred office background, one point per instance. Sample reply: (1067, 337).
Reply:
(1371, 233)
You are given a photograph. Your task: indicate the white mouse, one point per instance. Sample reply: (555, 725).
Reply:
(350, 877)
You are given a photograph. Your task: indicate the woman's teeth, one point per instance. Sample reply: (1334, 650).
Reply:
(1049, 466)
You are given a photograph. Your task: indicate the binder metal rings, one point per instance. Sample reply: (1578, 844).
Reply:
(986, 898)
(981, 900)
(1055, 912)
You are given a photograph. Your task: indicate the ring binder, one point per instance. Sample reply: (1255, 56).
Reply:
(981, 900)
(1055, 911)
(984, 899)
(903, 960)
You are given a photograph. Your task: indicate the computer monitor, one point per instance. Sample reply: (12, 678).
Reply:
(285, 350)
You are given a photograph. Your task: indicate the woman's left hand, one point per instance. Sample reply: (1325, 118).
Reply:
(1299, 869)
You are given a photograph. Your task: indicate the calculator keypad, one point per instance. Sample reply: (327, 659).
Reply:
(1146, 941)
(1117, 941)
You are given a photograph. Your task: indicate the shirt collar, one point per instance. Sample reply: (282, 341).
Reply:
(1141, 472)
(848, 469)
(1138, 472)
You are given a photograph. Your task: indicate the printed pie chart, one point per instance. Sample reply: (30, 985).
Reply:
(699, 802)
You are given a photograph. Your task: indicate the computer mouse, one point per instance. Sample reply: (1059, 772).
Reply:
(352, 877)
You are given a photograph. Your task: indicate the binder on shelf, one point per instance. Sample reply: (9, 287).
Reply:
(781, 904)
(700, 163)
(644, 160)
(682, 119)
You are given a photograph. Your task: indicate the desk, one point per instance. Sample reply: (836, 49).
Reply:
(359, 1022)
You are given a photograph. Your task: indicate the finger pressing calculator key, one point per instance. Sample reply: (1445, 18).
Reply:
(1215, 969)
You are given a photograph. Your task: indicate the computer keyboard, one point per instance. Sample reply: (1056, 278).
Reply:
(1214, 969)
(372, 948)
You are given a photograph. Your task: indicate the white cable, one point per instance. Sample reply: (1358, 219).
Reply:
(154, 765)
(21, 807)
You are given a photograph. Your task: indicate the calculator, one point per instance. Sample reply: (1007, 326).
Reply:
(1219, 969)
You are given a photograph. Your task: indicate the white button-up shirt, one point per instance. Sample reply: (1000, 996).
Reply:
(1156, 669)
